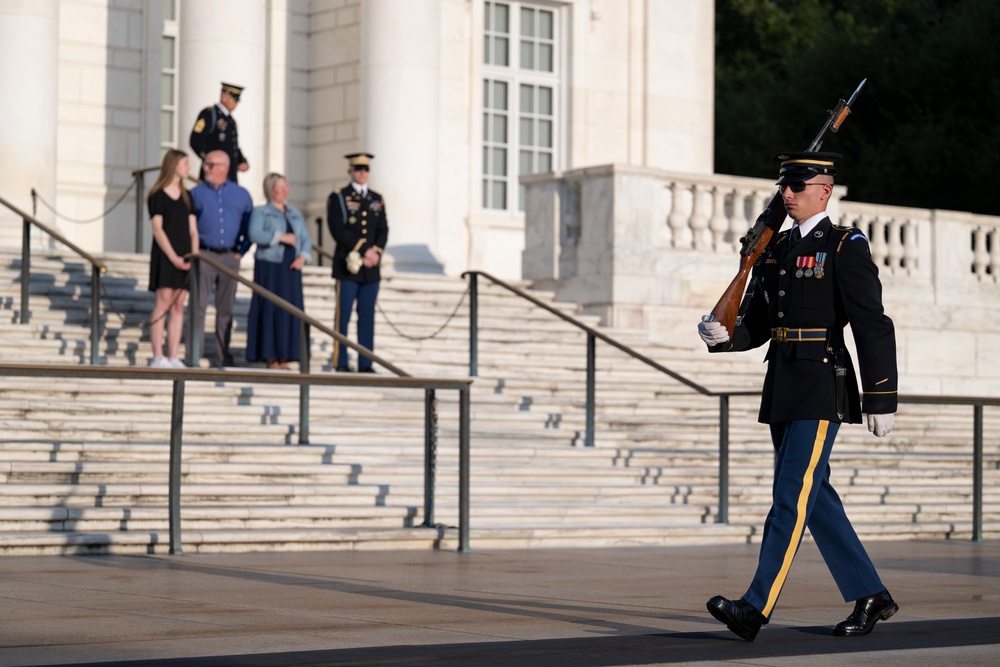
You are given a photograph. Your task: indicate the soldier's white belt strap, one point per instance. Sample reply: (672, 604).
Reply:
(786, 335)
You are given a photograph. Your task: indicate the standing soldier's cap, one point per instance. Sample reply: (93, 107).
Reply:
(360, 159)
(232, 90)
(803, 165)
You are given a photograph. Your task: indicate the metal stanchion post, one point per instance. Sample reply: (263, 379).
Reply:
(430, 454)
(304, 388)
(194, 320)
(176, 429)
(723, 516)
(95, 314)
(977, 472)
(473, 325)
(26, 272)
(140, 220)
(591, 388)
(463, 468)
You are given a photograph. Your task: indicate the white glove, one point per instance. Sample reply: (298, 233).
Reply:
(354, 261)
(881, 425)
(713, 333)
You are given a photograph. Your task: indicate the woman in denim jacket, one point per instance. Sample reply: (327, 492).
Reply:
(283, 248)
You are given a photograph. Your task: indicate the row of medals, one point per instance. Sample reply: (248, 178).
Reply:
(811, 267)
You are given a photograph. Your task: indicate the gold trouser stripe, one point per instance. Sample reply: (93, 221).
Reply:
(336, 322)
(800, 521)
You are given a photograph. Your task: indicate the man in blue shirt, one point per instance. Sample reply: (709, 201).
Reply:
(223, 211)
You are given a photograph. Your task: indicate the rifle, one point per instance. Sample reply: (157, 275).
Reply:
(728, 310)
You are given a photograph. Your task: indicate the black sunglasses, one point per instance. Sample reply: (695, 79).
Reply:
(798, 187)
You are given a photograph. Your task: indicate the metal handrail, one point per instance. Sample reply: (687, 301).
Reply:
(196, 333)
(592, 336)
(98, 268)
(284, 305)
(591, 395)
(179, 377)
(978, 402)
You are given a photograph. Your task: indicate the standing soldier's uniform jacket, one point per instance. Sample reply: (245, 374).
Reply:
(357, 222)
(215, 130)
(800, 300)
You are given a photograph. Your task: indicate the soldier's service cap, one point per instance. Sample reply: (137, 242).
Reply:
(360, 159)
(802, 165)
(233, 90)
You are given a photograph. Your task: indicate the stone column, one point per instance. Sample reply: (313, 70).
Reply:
(400, 84)
(225, 40)
(29, 78)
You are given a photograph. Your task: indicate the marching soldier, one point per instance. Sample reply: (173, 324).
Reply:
(358, 223)
(806, 288)
(215, 130)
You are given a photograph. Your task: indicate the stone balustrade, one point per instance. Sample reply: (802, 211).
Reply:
(647, 248)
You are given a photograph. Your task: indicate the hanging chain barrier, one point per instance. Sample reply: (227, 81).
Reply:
(37, 197)
(439, 329)
(110, 308)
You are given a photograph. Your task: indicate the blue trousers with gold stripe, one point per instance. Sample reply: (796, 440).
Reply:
(803, 497)
(365, 295)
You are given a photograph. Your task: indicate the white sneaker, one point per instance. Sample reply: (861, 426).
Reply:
(160, 362)
(176, 363)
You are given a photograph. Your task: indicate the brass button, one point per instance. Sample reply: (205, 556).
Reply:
(781, 292)
(781, 273)
(780, 315)
(825, 360)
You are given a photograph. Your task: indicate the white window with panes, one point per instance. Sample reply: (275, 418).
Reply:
(168, 77)
(522, 84)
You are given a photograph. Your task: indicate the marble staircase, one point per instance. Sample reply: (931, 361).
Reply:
(83, 464)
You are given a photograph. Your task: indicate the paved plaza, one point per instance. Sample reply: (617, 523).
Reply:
(551, 607)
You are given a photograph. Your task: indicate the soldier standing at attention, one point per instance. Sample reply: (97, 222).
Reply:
(358, 223)
(215, 130)
(806, 287)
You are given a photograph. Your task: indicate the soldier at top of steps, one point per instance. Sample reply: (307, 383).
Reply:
(805, 289)
(358, 223)
(215, 130)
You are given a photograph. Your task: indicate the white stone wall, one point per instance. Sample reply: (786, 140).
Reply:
(29, 31)
(102, 133)
(332, 98)
(642, 84)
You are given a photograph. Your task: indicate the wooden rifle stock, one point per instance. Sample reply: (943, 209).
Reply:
(762, 234)
(756, 240)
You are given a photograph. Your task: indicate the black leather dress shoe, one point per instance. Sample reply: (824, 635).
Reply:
(369, 369)
(867, 612)
(739, 616)
(343, 369)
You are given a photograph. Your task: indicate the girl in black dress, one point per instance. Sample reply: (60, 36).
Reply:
(175, 234)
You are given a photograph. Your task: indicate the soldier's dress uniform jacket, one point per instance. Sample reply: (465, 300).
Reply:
(801, 297)
(357, 222)
(824, 282)
(215, 130)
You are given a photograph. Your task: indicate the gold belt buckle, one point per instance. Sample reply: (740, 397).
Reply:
(781, 334)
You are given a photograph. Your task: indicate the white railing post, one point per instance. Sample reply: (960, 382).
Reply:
(678, 220)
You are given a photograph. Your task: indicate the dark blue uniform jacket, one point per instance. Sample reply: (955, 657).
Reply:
(787, 292)
(356, 222)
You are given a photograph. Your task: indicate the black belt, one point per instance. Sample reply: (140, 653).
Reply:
(786, 335)
(219, 250)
